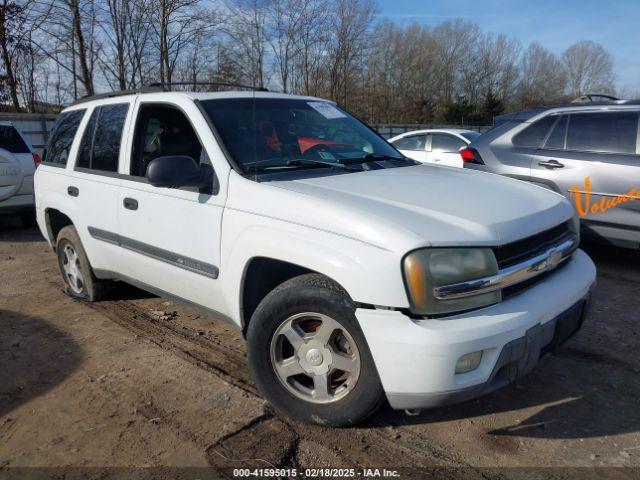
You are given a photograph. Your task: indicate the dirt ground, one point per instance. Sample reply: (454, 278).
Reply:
(138, 381)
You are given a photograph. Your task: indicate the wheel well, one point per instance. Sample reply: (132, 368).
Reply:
(260, 277)
(56, 221)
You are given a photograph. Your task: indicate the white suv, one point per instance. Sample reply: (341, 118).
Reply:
(354, 273)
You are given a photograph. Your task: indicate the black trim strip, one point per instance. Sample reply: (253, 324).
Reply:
(172, 258)
(104, 173)
(109, 275)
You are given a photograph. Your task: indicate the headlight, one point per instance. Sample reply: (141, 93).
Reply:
(434, 267)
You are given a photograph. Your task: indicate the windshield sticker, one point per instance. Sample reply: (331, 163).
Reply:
(326, 156)
(326, 110)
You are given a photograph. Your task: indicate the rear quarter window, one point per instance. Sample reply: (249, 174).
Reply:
(62, 136)
(535, 134)
(11, 140)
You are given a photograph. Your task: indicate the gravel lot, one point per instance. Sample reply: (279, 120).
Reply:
(139, 381)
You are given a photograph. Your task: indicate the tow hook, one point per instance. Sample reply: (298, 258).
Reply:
(412, 412)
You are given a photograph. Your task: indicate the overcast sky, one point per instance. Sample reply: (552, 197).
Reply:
(555, 24)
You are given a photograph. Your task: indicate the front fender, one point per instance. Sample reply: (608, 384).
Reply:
(369, 274)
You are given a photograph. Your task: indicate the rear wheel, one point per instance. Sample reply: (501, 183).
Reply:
(308, 354)
(75, 268)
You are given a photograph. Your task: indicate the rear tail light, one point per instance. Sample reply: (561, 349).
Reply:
(36, 159)
(471, 155)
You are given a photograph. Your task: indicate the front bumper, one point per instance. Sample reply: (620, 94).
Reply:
(416, 359)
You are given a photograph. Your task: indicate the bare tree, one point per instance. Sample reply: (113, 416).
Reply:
(589, 68)
(69, 38)
(14, 33)
(313, 41)
(247, 39)
(542, 77)
(175, 24)
(84, 51)
(352, 21)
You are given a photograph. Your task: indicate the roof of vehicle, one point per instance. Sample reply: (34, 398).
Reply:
(193, 95)
(455, 131)
(524, 115)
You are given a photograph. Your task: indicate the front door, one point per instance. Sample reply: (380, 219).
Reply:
(170, 238)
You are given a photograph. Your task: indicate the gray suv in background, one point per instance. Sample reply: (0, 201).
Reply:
(588, 152)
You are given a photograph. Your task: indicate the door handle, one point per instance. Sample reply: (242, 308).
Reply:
(130, 203)
(551, 164)
(73, 191)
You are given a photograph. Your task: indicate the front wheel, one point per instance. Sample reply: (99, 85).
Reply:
(309, 356)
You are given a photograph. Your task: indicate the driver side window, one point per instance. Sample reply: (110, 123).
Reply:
(163, 131)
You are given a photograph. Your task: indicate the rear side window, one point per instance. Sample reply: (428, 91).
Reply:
(446, 143)
(100, 146)
(413, 142)
(613, 132)
(534, 135)
(62, 136)
(11, 140)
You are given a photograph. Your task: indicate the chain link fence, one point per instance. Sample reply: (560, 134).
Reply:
(37, 126)
(391, 130)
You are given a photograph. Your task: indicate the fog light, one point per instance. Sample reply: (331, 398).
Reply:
(468, 362)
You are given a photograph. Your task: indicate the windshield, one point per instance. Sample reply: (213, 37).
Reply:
(281, 135)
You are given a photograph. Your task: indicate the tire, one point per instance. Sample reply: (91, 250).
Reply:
(316, 308)
(74, 264)
(28, 218)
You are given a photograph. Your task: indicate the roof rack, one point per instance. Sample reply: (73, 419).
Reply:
(595, 97)
(162, 87)
(167, 86)
(118, 93)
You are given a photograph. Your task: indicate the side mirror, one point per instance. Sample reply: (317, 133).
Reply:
(178, 171)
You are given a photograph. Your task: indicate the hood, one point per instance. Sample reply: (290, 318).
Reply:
(424, 205)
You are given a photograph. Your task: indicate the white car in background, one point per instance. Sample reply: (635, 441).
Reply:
(441, 147)
(18, 162)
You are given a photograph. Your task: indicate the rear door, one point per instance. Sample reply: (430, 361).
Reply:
(592, 158)
(16, 163)
(93, 182)
(444, 149)
(170, 238)
(413, 146)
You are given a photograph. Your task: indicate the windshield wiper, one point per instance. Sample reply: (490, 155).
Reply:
(299, 163)
(369, 157)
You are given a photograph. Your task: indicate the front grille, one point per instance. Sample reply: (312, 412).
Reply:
(521, 250)
(522, 286)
